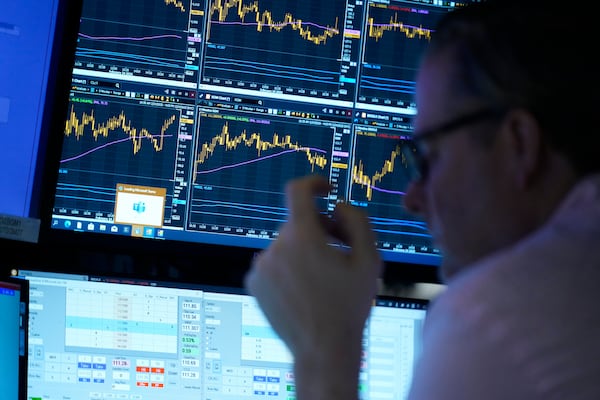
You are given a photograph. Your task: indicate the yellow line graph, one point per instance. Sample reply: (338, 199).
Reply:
(359, 176)
(76, 125)
(265, 19)
(225, 140)
(176, 4)
(411, 32)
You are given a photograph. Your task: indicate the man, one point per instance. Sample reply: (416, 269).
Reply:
(509, 157)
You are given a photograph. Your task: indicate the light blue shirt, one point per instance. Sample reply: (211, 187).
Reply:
(523, 323)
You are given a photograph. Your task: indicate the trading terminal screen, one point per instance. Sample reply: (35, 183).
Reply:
(187, 117)
(97, 337)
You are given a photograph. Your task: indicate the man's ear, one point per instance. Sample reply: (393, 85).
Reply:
(525, 139)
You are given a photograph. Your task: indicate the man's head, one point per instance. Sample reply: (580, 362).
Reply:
(518, 78)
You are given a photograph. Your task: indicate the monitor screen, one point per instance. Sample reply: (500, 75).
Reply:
(31, 44)
(186, 118)
(101, 337)
(14, 297)
(26, 36)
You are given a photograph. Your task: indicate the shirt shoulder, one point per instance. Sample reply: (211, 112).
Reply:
(522, 323)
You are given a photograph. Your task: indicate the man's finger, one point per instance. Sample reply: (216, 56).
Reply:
(353, 227)
(300, 197)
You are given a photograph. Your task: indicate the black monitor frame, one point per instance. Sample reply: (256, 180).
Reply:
(64, 42)
(138, 255)
(59, 78)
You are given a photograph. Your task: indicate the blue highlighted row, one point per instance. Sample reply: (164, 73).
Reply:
(122, 325)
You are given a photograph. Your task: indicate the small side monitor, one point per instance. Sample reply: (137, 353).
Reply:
(14, 295)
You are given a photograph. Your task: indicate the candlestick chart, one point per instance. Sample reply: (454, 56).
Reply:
(396, 35)
(110, 143)
(248, 42)
(379, 179)
(242, 165)
(144, 38)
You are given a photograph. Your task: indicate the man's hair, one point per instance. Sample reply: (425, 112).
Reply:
(537, 55)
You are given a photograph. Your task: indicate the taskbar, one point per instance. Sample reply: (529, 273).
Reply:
(227, 236)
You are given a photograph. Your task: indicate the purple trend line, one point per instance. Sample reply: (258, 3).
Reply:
(258, 159)
(102, 147)
(128, 38)
(387, 191)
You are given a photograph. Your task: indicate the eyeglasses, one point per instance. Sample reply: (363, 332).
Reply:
(417, 165)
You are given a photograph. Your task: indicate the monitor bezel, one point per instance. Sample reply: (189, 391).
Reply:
(141, 256)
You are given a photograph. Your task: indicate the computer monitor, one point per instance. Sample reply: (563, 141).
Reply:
(32, 37)
(14, 303)
(101, 337)
(26, 37)
(185, 119)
